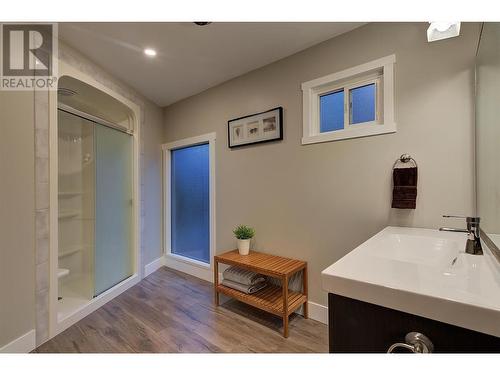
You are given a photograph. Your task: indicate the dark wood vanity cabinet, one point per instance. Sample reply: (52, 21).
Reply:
(361, 327)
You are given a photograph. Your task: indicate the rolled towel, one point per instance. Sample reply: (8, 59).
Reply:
(248, 289)
(242, 276)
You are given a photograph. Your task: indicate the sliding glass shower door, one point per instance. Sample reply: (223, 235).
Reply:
(114, 208)
(95, 181)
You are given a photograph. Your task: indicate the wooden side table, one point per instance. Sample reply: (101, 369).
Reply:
(276, 300)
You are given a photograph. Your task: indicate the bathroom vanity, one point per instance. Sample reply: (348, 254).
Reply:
(406, 280)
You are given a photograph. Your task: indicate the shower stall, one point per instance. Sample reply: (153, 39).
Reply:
(95, 196)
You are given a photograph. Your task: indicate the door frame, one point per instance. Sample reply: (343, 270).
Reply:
(190, 266)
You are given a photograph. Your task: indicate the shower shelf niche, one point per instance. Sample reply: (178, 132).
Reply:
(70, 251)
(61, 272)
(69, 194)
(68, 214)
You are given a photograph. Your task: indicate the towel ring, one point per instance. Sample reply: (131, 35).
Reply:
(405, 158)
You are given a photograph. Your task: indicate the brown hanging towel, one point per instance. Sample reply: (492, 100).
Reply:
(404, 191)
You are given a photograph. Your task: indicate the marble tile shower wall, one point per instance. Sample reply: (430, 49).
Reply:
(42, 230)
(42, 223)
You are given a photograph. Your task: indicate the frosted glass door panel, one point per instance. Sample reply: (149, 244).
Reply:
(190, 202)
(113, 230)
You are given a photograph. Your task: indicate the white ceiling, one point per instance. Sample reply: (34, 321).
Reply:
(190, 58)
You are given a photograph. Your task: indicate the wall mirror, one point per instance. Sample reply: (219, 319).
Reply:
(488, 132)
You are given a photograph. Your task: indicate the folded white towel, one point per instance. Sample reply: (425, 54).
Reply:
(248, 289)
(242, 276)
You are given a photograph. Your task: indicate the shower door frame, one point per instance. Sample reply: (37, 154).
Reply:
(56, 326)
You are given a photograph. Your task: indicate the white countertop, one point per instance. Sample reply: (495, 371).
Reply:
(413, 270)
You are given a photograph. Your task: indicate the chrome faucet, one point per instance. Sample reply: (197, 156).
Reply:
(473, 245)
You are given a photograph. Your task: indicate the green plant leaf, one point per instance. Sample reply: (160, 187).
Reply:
(243, 232)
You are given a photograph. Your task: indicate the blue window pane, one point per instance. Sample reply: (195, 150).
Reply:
(362, 100)
(331, 111)
(190, 202)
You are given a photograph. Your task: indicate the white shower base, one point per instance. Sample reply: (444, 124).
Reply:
(72, 298)
(74, 307)
(71, 303)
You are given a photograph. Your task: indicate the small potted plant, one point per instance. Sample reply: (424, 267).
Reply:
(244, 234)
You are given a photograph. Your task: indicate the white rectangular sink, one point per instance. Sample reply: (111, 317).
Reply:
(423, 272)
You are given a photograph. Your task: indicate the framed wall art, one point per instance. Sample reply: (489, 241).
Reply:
(257, 128)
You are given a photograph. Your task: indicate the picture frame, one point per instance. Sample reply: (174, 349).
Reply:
(260, 127)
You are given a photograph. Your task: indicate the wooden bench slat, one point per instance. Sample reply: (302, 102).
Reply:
(262, 263)
(270, 302)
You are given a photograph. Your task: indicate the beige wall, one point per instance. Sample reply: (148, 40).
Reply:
(17, 215)
(318, 202)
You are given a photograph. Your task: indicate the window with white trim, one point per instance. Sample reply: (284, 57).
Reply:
(355, 102)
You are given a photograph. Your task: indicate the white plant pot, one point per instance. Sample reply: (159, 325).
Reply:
(244, 247)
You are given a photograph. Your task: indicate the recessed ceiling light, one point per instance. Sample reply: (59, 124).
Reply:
(149, 52)
(442, 30)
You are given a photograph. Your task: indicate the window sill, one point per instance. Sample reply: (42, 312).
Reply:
(362, 131)
(187, 260)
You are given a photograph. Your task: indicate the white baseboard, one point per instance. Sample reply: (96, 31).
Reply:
(24, 344)
(318, 312)
(154, 265)
(200, 271)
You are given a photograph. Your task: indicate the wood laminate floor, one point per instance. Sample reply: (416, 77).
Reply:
(171, 312)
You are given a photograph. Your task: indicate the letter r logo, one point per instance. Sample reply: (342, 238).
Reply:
(27, 49)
